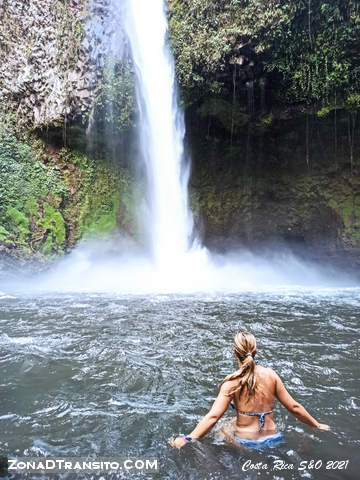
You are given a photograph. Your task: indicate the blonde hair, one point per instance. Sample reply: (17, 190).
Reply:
(245, 350)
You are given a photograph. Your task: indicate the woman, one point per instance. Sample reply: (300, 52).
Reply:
(251, 391)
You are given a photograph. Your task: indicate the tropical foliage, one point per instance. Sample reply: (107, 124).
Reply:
(310, 49)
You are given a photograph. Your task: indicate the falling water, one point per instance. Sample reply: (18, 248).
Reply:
(169, 222)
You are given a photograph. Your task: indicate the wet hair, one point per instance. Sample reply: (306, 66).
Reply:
(245, 350)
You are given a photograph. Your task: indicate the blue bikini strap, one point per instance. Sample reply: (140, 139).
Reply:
(261, 415)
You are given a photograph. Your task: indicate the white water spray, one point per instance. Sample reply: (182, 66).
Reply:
(169, 223)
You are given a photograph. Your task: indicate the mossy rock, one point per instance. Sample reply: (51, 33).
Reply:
(4, 234)
(53, 223)
(18, 224)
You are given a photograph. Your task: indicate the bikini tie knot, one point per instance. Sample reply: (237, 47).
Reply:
(262, 420)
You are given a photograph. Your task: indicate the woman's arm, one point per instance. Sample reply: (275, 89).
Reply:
(217, 410)
(297, 410)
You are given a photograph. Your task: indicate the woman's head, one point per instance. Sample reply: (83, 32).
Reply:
(245, 351)
(244, 345)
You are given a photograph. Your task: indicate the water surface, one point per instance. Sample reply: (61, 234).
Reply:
(114, 375)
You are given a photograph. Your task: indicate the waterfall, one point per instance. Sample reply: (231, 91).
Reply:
(168, 222)
(177, 265)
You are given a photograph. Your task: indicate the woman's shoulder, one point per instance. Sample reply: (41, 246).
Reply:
(266, 370)
(266, 374)
(258, 368)
(227, 385)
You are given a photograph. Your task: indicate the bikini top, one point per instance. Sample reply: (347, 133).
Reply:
(260, 414)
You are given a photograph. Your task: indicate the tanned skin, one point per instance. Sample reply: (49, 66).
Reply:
(244, 426)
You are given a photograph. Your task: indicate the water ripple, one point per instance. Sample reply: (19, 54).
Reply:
(110, 373)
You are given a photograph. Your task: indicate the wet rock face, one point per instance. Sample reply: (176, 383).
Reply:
(50, 57)
(261, 192)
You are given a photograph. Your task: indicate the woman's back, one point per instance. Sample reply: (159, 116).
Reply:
(251, 390)
(259, 405)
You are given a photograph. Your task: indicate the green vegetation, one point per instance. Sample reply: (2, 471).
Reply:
(102, 196)
(317, 52)
(53, 223)
(4, 234)
(348, 209)
(115, 103)
(22, 175)
(25, 181)
(18, 223)
(46, 208)
(208, 35)
(308, 48)
(70, 31)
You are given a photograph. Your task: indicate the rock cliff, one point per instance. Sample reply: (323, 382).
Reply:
(50, 54)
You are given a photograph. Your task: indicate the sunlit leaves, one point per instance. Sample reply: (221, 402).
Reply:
(314, 45)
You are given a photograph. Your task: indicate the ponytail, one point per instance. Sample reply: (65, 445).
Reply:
(245, 349)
